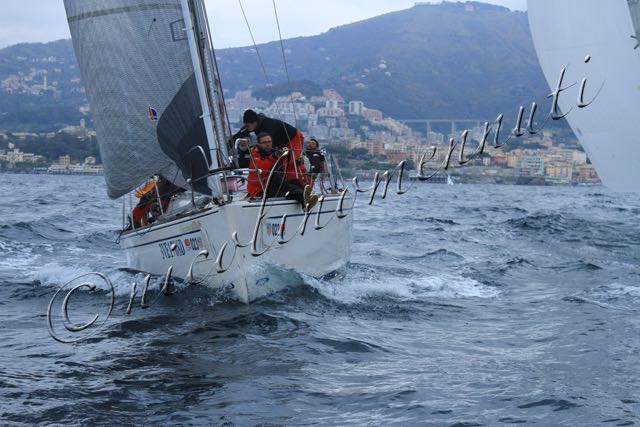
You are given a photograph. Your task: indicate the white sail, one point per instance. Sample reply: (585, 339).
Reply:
(564, 33)
(138, 72)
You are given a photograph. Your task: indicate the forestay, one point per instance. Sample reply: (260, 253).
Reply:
(138, 72)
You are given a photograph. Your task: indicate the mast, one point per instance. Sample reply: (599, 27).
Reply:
(209, 88)
(216, 94)
(192, 31)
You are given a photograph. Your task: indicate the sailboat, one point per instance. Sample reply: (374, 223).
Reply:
(153, 85)
(449, 180)
(597, 40)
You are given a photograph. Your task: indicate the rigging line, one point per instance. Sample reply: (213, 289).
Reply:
(286, 70)
(255, 46)
(264, 71)
(284, 60)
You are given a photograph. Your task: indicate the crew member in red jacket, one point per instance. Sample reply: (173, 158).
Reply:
(284, 136)
(264, 158)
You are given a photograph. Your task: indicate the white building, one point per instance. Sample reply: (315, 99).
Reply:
(356, 108)
(531, 166)
(330, 112)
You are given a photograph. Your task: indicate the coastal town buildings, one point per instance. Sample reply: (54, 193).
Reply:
(64, 166)
(13, 156)
(351, 124)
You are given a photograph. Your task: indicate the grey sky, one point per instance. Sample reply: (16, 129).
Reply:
(44, 20)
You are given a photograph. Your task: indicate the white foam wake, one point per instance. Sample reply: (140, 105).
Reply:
(445, 286)
(56, 275)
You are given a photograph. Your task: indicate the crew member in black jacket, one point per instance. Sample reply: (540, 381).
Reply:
(283, 135)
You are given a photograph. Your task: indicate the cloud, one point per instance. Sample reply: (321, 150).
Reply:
(32, 21)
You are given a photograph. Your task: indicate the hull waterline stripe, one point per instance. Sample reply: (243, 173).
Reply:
(127, 9)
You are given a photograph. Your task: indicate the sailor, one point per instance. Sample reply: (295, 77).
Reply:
(284, 136)
(243, 153)
(147, 210)
(264, 158)
(315, 156)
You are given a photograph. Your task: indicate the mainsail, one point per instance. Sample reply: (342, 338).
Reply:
(137, 68)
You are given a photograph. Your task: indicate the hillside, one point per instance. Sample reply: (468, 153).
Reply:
(26, 102)
(457, 60)
(428, 61)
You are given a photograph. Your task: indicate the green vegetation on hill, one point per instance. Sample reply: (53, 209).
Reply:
(22, 113)
(24, 66)
(21, 57)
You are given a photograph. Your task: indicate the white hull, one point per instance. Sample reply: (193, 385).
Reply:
(179, 244)
(565, 32)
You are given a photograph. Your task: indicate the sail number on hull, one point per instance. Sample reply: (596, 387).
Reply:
(274, 229)
(182, 245)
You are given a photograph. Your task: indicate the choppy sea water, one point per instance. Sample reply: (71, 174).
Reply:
(462, 305)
